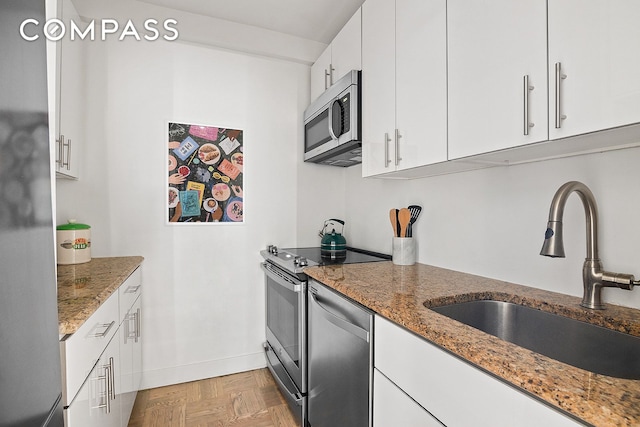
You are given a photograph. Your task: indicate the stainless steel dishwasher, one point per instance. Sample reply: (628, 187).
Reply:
(340, 348)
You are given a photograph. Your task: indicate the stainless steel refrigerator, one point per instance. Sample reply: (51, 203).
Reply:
(30, 380)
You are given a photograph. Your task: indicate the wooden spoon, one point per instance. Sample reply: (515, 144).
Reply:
(393, 217)
(404, 216)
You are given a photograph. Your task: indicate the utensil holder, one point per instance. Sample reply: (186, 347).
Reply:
(404, 251)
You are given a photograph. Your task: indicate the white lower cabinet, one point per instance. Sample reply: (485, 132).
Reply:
(102, 361)
(451, 390)
(130, 360)
(393, 407)
(97, 404)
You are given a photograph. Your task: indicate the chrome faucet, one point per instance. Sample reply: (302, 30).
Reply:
(594, 277)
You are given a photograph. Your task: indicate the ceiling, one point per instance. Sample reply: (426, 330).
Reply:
(317, 20)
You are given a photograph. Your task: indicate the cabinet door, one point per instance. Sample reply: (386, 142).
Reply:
(596, 42)
(378, 86)
(72, 102)
(130, 360)
(392, 407)
(445, 384)
(421, 82)
(492, 46)
(346, 47)
(320, 74)
(96, 404)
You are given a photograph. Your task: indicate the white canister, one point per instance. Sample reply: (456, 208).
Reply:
(73, 243)
(404, 251)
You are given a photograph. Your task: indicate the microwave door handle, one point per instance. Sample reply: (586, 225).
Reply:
(331, 131)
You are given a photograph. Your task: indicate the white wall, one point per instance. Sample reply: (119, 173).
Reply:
(491, 222)
(204, 296)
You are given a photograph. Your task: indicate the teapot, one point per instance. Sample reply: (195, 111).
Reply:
(333, 244)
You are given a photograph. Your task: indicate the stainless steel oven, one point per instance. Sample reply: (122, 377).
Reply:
(286, 312)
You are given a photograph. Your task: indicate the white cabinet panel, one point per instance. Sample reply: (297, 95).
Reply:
(321, 73)
(596, 42)
(346, 47)
(130, 359)
(378, 85)
(80, 351)
(442, 384)
(392, 407)
(71, 99)
(129, 291)
(340, 57)
(96, 404)
(421, 82)
(492, 46)
(404, 78)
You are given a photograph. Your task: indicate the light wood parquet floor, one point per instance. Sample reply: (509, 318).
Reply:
(247, 399)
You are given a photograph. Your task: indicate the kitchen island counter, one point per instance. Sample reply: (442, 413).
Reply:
(403, 293)
(82, 288)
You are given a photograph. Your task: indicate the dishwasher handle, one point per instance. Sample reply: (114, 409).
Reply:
(340, 322)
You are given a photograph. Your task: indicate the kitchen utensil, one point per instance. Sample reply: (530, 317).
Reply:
(404, 217)
(393, 217)
(333, 245)
(415, 213)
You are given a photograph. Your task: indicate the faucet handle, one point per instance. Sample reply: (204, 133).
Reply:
(620, 280)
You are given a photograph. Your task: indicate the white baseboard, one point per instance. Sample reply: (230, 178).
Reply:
(198, 371)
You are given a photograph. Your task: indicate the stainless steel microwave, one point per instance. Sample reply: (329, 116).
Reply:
(332, 124)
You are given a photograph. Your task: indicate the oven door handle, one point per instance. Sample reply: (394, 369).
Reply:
(340, 322)
(281, 279)
(295, 397)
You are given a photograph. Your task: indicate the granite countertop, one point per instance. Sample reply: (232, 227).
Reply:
(83, 287)
(400, 293)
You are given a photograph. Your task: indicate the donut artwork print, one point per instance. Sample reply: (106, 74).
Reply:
(205, 174)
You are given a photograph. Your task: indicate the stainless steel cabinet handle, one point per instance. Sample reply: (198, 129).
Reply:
(339, 322)
(137, 324)
(107, 327)
(387, 160)
(68, 163)
(397, 153)
(112, 373)
(60, 142)
(328, 76)
(107, 378)
(132, 289)
(527, 88)
(559, 77)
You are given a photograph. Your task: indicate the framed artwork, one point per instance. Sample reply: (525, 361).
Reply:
(205, 174)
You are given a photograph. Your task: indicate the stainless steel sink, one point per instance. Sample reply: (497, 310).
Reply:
(590, 347)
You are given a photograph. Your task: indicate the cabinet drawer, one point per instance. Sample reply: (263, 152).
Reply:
(442, 384)
(129, 291)
(392, 407)
(80, 351)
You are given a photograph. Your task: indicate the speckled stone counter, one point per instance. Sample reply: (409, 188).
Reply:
(403, 293)
(83, 287)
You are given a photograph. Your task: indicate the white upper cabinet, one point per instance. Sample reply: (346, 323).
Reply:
(595, 44)
(321, 73)
(340, 57)
(404, 85)
(71, 99)
(495, 47)
(378, 85)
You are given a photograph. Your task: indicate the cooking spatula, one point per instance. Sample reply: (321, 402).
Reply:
(415, 213)
(393, 218)
(404, 217)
